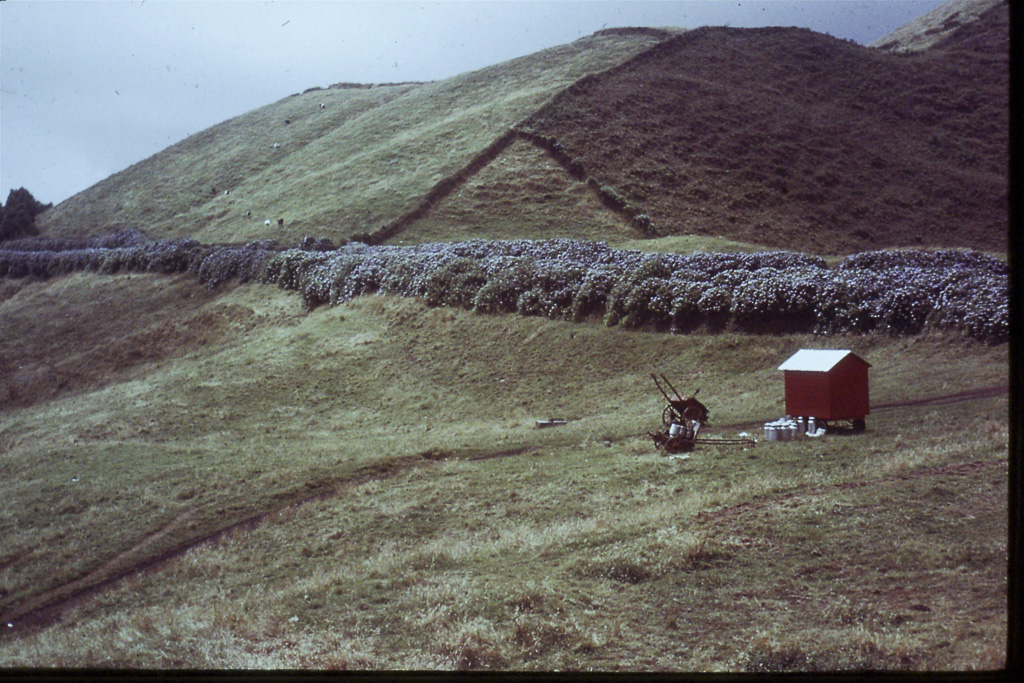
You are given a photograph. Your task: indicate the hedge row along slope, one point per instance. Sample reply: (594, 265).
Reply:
(899, 292)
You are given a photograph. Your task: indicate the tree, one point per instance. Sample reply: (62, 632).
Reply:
(18, 214)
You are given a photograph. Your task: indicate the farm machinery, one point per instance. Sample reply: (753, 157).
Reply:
(682, 419)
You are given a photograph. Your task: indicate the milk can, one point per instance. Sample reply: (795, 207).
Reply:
(783, 430)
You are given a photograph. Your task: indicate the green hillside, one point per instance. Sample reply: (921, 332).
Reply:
(374, 471)
(946, 21)
(365, 158)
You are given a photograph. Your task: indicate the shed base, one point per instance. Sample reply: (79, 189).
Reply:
(856, 424)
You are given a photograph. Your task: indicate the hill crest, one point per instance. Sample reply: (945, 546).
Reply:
(938, 26)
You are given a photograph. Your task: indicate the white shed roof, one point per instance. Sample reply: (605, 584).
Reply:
(815, 360)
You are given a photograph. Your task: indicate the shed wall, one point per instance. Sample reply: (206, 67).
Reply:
(807, 393)
(849, 380)
(839, 394)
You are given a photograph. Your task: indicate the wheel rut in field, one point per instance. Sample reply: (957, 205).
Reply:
(971, 395)
(46, 606)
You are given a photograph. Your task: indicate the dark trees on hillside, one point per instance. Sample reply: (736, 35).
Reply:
(18, 215)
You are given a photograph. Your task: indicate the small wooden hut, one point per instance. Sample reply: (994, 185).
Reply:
(827, 384)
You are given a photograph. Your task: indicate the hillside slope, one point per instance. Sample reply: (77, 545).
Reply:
(273, 488)
(788, 137)
(939, 24)
(367, 156)
(780, 136)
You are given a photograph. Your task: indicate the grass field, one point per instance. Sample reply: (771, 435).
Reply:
(374, 494)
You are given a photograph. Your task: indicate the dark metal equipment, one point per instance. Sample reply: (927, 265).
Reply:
(682, 419)
(678, 408)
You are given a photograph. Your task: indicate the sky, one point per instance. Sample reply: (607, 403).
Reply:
(90, 87)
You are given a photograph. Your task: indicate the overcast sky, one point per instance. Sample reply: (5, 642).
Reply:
(89, 87)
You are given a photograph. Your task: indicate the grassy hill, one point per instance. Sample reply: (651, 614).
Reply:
(204, 477)
(785, 137)
(949, 20)
(779, 137)
(367, 157)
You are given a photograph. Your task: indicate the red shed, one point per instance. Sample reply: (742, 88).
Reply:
(827, 384)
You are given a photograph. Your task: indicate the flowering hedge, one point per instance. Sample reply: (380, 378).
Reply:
(899, 292)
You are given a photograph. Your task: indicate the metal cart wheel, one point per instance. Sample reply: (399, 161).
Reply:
(670, 415)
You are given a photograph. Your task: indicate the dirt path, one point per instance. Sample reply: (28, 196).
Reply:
(46, 607)
(973, 394)
(124, 563)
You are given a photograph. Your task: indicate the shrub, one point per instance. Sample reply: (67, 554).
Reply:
(628, 301)
(456, 283)
(285, 268)
(504, 286)
(18, 214)
(245, 263)
(684, 309)
(404, 277)
(933, 260)
(533, 301)
(175, 256)
(715, 301)
(838, 308)
(591, 295)
(310, 243)
(780, 298)
(904, 309)
(644, 224)
(317, 279)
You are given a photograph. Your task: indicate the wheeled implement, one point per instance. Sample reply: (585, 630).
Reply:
(682, 419)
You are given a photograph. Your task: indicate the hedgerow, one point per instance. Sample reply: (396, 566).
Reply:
(901, 292)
